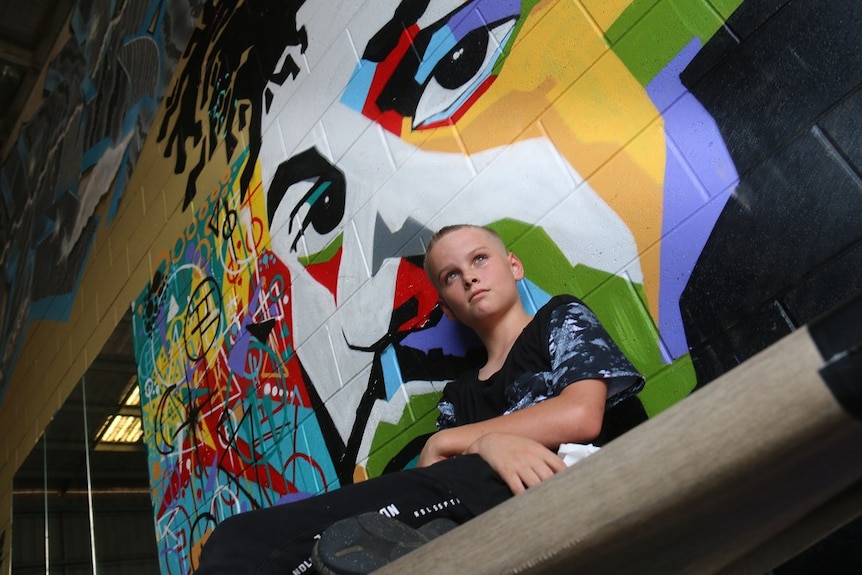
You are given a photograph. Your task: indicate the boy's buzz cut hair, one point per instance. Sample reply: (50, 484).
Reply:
(446, 230)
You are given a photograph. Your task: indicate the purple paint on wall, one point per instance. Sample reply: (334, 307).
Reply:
(699, 176)
(482, 12)
(447, 335)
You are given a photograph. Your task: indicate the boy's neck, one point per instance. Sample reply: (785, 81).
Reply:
(499, 337)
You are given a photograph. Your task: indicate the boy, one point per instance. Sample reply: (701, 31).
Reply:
(547, 381)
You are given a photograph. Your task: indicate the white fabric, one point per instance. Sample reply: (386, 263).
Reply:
(574, 452)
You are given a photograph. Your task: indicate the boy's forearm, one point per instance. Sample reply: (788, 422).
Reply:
(575, 416)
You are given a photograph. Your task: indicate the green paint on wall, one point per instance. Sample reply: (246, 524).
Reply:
(629, 17)
(419, 418)
(326, 254)
(650, 33)
(668, 386)
(619, 304)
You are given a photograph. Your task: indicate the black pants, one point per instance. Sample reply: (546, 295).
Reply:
(278, 540)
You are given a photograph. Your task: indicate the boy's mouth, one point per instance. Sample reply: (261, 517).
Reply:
(477, 293)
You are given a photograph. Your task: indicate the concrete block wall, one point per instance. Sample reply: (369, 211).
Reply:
(666, 161)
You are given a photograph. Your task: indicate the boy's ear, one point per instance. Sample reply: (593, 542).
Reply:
(447, 311)
(517, 266)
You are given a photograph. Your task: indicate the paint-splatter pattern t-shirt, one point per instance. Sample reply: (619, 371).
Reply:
(563, 343)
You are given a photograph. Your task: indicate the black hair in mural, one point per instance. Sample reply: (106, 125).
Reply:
(229, 59)
(786, 93)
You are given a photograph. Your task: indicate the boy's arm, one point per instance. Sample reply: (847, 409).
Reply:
(517, 445)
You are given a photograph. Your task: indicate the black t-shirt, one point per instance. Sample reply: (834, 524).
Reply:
(563, 343)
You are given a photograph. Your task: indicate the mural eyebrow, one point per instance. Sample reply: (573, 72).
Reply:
(327, 197)
(384, 41)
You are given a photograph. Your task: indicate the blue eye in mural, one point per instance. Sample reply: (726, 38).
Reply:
(322, 203)
(432, 74)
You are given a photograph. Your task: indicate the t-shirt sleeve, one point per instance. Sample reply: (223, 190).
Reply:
(446, 418)
(451, 405)
(579, 348)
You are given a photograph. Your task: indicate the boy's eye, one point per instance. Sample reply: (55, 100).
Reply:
(450, 277)
(480, 258)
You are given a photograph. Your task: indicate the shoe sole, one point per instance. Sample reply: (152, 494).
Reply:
(359, 545)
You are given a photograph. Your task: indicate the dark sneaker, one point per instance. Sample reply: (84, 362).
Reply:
(359, 545)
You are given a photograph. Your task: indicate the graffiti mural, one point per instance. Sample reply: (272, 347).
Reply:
(289, 342)
(233, 421)
(448, 102)
(101, 93)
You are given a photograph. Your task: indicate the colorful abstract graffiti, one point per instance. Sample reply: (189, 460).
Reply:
(102, 92)
(230, 422)
(289, 342)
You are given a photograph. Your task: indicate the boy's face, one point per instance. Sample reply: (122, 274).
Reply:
(474, 275)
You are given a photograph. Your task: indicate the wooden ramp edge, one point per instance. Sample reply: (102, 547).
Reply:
(733, 478)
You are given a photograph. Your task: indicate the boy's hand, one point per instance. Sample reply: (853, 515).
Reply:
(521, 462)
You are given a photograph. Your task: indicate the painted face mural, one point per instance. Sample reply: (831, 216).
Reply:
(407, 116)
(360, 162)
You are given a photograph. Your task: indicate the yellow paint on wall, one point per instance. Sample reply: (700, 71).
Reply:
(638, 199)
(360, 474)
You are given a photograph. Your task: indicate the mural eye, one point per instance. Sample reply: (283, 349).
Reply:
(321, 205)
(459, 73)
(463, 61)
(326, 200)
